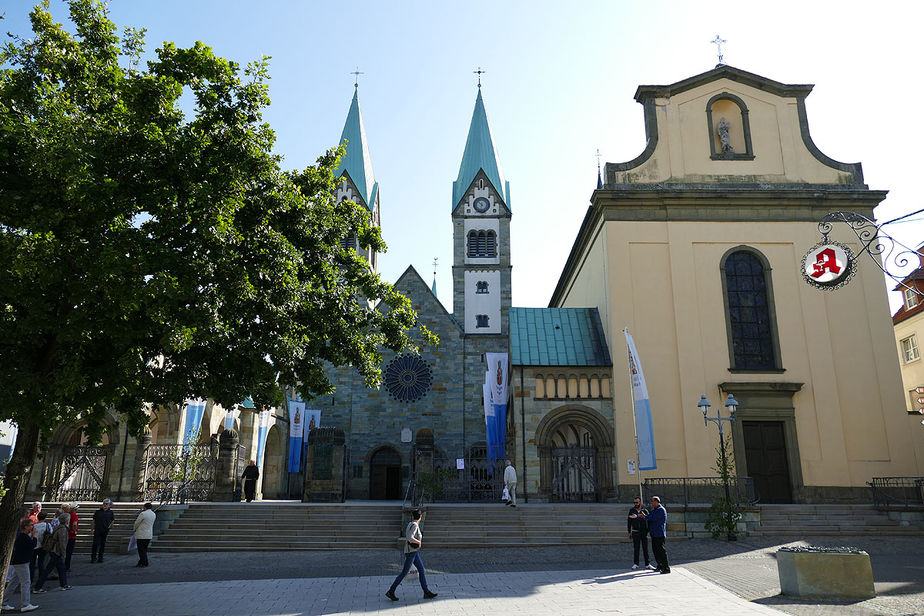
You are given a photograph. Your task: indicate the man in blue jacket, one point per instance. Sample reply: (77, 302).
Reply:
(657, 526)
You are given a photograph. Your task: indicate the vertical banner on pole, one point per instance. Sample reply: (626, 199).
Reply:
(193, 410)
(262, 428)
(311, 421)
(488, 417)
(643, 422)
(230, 416)
(296, 434)
(498, 379)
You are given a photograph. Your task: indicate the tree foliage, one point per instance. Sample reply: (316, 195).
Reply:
(151, 254)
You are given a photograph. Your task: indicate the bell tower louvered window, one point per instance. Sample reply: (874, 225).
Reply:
(482, 244)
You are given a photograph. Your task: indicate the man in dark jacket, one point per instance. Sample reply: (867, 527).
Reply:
(637, 527)
(250, 476)
(657, 526)
(103, 519)
(22, 557)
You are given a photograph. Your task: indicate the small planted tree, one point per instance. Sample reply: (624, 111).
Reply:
(726, 510)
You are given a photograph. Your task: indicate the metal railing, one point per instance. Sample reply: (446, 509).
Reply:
(897, 492)
(481, 480)
(686, 490)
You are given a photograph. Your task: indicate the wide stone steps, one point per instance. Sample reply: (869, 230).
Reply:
(125, 514)
(828, 520)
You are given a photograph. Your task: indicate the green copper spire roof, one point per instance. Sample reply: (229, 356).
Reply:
(479, 155)
(357, 162)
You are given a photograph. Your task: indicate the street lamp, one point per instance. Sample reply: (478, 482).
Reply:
(732, 405)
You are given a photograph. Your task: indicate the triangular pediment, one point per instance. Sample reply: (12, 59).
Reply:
(483, 187)
(430, 310)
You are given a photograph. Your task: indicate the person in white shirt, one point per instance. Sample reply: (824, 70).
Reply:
(413, 538)
(510, 481)
(144, 532)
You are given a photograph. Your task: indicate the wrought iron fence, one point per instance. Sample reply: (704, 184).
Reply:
(78, 473)
(686, 490)
(179, 473)
(481, 480)
(897, 492)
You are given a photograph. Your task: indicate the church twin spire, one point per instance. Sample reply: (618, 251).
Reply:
(356, 162)
(479, 155)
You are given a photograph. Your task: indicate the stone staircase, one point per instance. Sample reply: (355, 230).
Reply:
(125, 514)
(493, 525)
(828, 520)
(275, 526)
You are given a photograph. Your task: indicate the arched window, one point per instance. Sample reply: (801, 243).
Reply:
(481, 320)
(481, 287)
(482, 244)
(749, 311)
(729, 128)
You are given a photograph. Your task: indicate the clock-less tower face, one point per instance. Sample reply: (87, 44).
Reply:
(481, 205)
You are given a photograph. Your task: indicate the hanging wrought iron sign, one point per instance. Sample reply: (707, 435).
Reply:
(828, 265)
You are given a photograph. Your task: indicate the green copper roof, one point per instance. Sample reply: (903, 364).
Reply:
(357, 162)
(479, 155)
(557, 337)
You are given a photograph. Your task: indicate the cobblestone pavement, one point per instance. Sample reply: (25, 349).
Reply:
(747, 568)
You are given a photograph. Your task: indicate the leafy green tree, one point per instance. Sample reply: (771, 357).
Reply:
(150, 255)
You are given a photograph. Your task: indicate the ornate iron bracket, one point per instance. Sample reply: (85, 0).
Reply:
(893, 257)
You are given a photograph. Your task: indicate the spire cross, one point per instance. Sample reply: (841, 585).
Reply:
(598, 161)
(718, 43)
(356, 75)
(479, 72)
(435, 259)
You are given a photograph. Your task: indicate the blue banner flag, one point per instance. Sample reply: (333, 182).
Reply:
(262, 429)
(296, 430)
(496, 379)
(195, 409)
(644, 429)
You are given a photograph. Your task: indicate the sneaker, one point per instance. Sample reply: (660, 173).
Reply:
(65, 588)
(429, 595)
(28, 608)
(652, 567)
(634, 567)
(391, 595)
(8, 608)
(665, 570)
(38, 591)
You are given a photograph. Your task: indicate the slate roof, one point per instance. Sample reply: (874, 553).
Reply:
(557, 337)
(357, 162)
(479, 155)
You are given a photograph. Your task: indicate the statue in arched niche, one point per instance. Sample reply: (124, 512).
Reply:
(723, 128)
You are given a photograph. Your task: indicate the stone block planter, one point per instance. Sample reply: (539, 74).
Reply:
(841, 573)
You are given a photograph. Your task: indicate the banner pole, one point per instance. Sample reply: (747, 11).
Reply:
(638, 465)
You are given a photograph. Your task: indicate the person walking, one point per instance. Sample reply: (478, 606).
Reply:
(144, 532)
(250, 476)
(23, 548)
(637, 526)
(510, 482)
(412, 540)
(56, 552)
(71, 533)
(103, 519)
(657, 526)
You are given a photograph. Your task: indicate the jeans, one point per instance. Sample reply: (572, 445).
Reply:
(54, 561)
(24, 581)
(99, 546)
(143, 551)
(71, 542)
(660, 554)
(38, 561)
(639, 539)
(411, 558)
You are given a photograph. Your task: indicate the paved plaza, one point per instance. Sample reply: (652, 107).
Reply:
(709, 577)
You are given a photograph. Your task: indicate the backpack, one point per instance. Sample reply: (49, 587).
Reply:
(47, 540)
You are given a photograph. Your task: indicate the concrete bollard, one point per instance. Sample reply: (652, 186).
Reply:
(843, 573)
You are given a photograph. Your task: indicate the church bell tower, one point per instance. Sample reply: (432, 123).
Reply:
(481, 236)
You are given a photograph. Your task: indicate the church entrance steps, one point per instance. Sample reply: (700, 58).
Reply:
(829, 520)
(125, 514)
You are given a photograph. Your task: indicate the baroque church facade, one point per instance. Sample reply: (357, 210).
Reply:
(694, 246)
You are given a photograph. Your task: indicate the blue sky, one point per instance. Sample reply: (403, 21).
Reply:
(559, 85)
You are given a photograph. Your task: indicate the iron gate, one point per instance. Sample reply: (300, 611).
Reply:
(481, 480)
(78, 473)
(179, 473)
(574, 476)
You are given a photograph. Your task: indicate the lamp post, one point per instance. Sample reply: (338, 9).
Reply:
(732, 405)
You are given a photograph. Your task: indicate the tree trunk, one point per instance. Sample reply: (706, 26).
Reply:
(15, 482)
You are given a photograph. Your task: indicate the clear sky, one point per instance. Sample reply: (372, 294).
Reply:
(559, 85)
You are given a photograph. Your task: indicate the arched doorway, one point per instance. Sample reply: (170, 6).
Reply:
(273, 465)
(575, 455)
(385, 474)
(77, 470)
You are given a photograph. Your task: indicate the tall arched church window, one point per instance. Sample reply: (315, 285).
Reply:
(750, 314)
(729, 128)
(482, 244)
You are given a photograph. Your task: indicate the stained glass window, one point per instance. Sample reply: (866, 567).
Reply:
(408, 378)
(749, 312)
